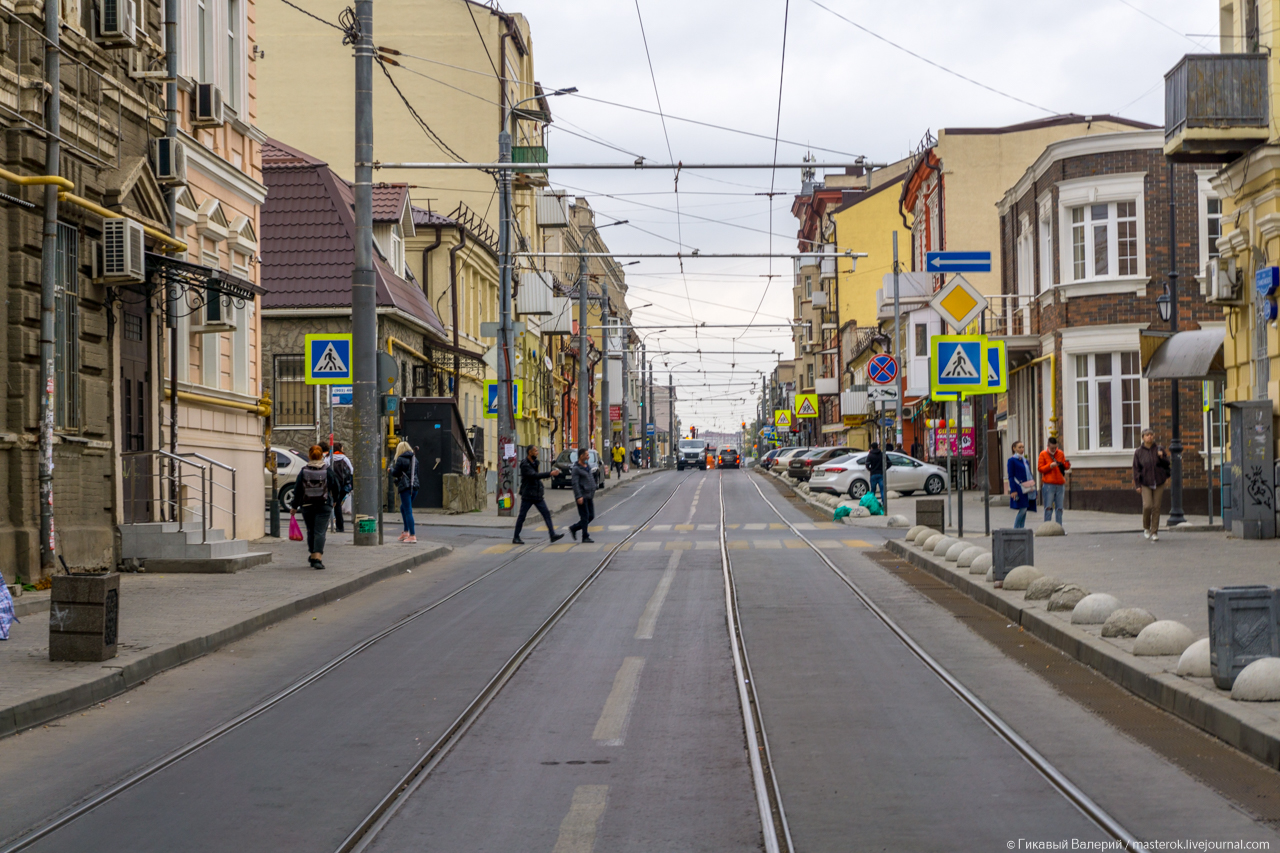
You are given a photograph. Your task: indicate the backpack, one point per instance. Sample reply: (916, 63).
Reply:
(342, 469)
(315, 485)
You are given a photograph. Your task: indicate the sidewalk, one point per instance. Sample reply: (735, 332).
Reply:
(168, 620)
(557, 501)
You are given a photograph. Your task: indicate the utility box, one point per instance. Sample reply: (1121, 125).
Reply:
(84, 617)
(930, 512)
(1010, 548)
(433, 427)
(1242, 629)
(1250, 475)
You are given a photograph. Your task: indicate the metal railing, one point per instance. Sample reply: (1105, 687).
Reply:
(171, 495)
(212, 485)
(1011, 315)
(1216, 90)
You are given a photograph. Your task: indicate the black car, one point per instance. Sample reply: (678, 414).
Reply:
(728, 458)
(766, 461)
(566, 460)
(800, 466)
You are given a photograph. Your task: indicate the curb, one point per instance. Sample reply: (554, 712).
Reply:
(1210, 711)
(35, 712)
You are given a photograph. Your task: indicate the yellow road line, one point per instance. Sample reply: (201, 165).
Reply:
(611, 728)
(578, 829)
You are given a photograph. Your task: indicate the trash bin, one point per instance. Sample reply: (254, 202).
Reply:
(929, 513)
(1242, 629)
(1010, 548)
(84, 616)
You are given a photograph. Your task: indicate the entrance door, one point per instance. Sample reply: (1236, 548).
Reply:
(135, 421)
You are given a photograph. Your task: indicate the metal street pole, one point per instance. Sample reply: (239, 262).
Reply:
(671, 420)
(1176, 516)
(49, 278)
(505, 495)
(653, 419)
(584, 366)
(626, 410)
(897, 337)
(606, 421)
(364, 318)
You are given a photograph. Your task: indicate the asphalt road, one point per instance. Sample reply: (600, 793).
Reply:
(622, 731)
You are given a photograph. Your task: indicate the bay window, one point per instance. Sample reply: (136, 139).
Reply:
(1108, 404)
(1104, 240)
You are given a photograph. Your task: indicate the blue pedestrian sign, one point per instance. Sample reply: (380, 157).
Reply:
(997, 367)
(958, 364)
(648, 430)
(945, 262)
(769, 433)
(328, 359)
(491, 397)
(882, 369)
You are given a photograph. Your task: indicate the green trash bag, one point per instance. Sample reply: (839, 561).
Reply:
(841, 512)
(873, 505)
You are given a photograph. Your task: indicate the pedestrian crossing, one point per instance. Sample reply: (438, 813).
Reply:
(693, 545)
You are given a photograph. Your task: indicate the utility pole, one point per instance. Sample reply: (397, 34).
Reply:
(671, 420)
(506, 417)
(606, 420)
(364, 317)
(49, 275)
(897, 338)
(584, 365)
(626, 375)
(651, 442)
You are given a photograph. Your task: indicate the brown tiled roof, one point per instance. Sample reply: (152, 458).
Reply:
(429, 218)
(389, 201)
(308, 241)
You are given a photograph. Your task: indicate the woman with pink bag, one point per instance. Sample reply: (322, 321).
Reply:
(1022, 484)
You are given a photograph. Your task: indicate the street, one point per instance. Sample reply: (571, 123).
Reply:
(622, 729)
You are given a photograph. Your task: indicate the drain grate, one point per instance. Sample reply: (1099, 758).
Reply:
(1252, 786)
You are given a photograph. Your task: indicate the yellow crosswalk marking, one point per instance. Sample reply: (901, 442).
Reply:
(595, 528)
(625, 546)
(734, 526)
(826, 543)
(589, 546)
(498, 549)
(777, 526)
(679, 545)
(794, 543)
(558, 549)
(685, 527)
(857, 543)
(737, 544)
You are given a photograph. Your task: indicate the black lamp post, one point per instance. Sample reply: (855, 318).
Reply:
(1168, 306)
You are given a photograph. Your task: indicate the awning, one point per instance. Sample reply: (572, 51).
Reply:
(1188, 355)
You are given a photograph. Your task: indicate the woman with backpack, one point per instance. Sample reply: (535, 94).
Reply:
(316, 491)
(404, 473)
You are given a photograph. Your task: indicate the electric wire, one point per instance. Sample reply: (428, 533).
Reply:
(313, 15)
(422, 123)
(1173, 30)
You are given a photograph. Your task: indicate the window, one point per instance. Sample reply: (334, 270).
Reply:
(233, 51)
(808, 287)
(66, 335)
(1046, 242)
(1214, 207)
(203, 36)
(1108, 401)
(1104, 240)
(922, 340)
(295, 400)
(397, 251)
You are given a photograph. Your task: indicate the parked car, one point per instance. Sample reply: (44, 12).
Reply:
(800, 465)
(566, 460)
(729, 458)
(785, 454)
(766, 461)
(848, 475)
(288, 464)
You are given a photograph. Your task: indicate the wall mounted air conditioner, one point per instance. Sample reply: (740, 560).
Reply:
(820, 299)
(169, 158)
(207, 104)
(1223, 282)
(117, 25)
(123, 251)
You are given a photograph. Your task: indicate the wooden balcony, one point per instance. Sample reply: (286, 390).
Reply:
(1215, 107)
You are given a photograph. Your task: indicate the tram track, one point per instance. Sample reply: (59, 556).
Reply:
(432, 756)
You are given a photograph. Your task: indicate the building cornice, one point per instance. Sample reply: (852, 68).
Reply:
(223, 172)
(1080, 146)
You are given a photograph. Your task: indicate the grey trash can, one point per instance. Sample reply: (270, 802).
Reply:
(84, 616)
(1242, 629)
(929, 513)
(1010, 548)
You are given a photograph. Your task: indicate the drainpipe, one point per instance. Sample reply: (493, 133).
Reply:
(426, 261)
(48, 275)
(453, 304)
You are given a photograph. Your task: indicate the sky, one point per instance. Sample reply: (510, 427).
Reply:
(841, 89)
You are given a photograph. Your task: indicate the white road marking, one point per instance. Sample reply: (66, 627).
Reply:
(649, 618)
(756, 526)
(662, 527)
(707, 545)
(708, 527)
(578, 829)
(611, 728)
(648, 546)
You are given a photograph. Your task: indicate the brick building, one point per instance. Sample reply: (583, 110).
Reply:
(1085, 254)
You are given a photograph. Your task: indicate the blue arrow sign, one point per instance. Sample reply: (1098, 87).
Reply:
(957, 262)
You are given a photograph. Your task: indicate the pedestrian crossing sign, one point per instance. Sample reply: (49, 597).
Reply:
(491, 397)
(997, 367)
(328, 359)
(782, 418)
(958, 365)
(806, 405)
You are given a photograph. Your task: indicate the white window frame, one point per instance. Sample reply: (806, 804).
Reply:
(1092, 379)
(1101, 189)
(1026, 248)
(1204, 194)
(1044, 208)
(1089, 340)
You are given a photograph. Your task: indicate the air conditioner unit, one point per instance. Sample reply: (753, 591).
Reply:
(169, 157)
(123, 252)
(1223, 281)
(208, 106)
(820, 299)
(117, 25)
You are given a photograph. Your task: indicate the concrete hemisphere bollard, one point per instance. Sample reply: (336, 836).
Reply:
(1050, 528)
(990, 576)
(968, 555)
(1129, 622)
(954, 552)
(914, 532)
(1067, 597)
(924, 534)
(1094, 609)
(1021, 577)
(1258, 682)
(981, 564)
(1194, 662)
(897, 521)
(1043, 587)
(1165, 637)
(940, 547)
(933, 539)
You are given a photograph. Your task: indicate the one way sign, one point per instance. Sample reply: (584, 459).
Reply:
(945, 262)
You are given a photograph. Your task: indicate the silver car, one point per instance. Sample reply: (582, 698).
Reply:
(288, 464)
(848, 475)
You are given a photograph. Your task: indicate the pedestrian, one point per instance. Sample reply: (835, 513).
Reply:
(584, 491)
(618, 456)
(1053, 467)
(1150, 470)
(340, 462)
(1022, 485)
(315, 491)
(635, 456)
(404, 473)
(531, 495)
(917, 449)
(888, 447)
(875, 467)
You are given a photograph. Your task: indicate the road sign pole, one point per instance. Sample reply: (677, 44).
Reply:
(897, 339)
(367, 434)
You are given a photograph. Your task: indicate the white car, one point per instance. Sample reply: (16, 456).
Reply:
(848, 475)
(288, 464)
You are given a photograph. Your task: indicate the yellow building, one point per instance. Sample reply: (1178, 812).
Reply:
(865, 221)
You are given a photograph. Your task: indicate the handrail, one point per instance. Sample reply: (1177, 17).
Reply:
(174, 499)
(232, 509)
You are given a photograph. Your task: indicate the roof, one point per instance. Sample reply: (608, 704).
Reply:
(429, 218)
(308, 241)
(389, 202)
(1051, 121)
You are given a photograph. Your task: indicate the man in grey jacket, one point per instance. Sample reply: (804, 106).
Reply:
(584, 490)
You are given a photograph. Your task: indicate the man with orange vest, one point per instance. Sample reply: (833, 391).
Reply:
(1053, 467)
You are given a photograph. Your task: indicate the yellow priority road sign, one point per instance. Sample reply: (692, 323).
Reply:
(959, 303)
(806, 405)
(782, 418)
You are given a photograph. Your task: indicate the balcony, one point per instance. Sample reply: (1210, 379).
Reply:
(1215, 107)
(1014, 319)
(530, 154)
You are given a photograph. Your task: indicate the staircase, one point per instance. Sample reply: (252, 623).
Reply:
(163, 548)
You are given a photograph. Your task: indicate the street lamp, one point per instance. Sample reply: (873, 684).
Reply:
(1163, 303)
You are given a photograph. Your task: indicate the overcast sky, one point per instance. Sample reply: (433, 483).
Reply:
(843, 89)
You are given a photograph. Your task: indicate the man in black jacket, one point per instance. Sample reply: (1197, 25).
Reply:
(531, 495)
(584, 491)
(875, 467)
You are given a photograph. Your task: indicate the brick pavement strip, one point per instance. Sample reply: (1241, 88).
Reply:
(169, 620)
